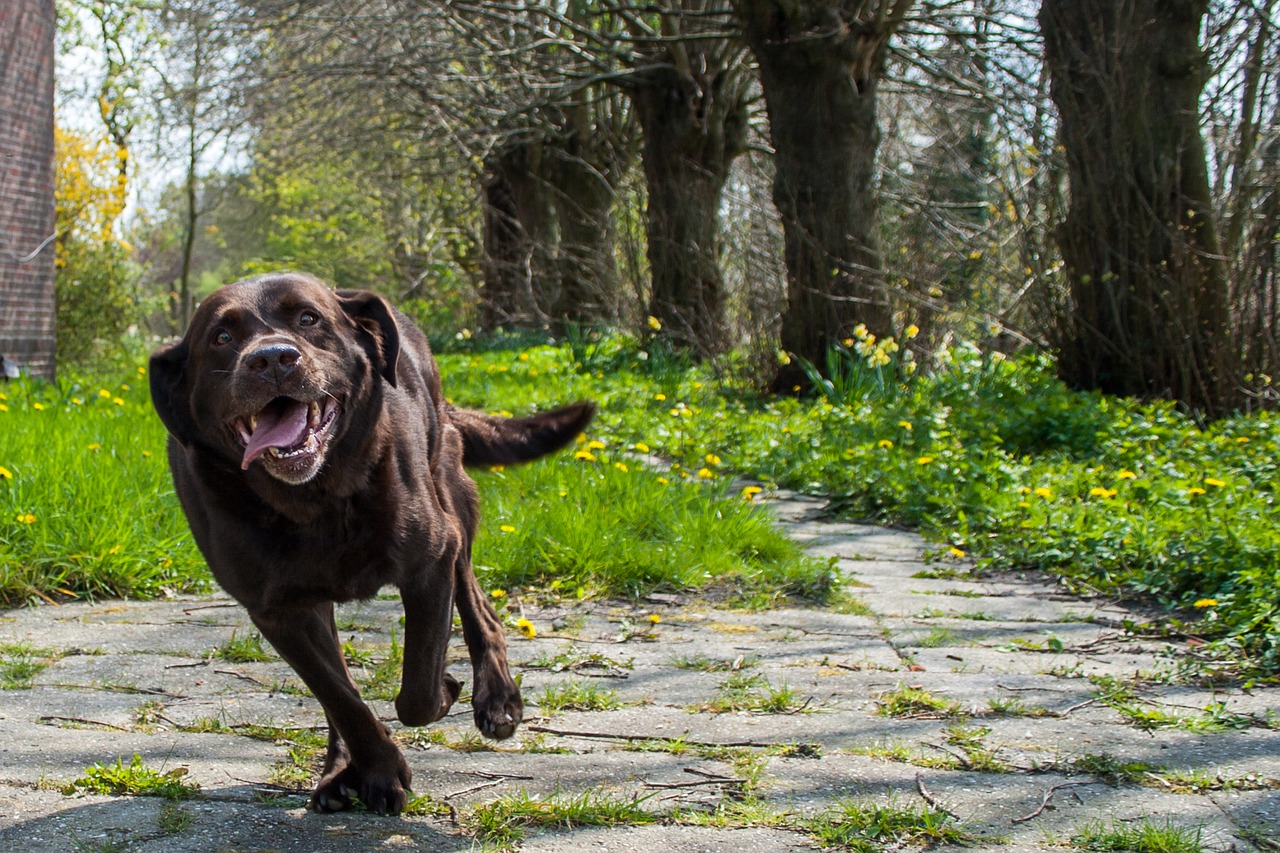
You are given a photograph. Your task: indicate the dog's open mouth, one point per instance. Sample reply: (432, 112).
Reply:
(289, 435)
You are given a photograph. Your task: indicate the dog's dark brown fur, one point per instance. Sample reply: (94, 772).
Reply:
(317, 461)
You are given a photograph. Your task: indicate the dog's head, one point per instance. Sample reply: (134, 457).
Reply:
(272, 369)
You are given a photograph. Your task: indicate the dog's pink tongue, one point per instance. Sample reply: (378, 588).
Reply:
(278, 426)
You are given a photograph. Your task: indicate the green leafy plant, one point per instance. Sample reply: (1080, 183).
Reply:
(134, 779)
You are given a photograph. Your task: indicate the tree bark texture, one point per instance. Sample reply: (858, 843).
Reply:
(693, 119)
(820, 65)
(1149, 313)
(519, 238)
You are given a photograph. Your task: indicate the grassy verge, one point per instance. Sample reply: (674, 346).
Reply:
(992, 457)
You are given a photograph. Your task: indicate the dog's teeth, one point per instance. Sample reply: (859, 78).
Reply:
(253, 423)
(313, 411)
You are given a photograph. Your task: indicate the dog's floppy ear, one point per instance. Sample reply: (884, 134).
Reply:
(170, 392)
(377, 321)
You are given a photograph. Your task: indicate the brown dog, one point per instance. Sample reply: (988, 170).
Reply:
(317, 461)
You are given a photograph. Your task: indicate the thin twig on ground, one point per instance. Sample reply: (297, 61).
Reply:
(1048, 795)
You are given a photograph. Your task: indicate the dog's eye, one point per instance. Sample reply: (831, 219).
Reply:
(308, 318)
(221, 338)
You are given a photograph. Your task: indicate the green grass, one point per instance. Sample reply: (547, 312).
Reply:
(574, 695)
(916, 703)
(20, 663)
(134, 779)
(1144, 836)
(752, 693)
(246, 649)
(867, 827)
(504, 821)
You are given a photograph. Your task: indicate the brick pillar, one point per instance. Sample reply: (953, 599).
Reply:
(26, 184)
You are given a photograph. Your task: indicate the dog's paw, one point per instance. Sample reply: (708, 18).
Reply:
(380, 792)
(413, 709)
(498, 707)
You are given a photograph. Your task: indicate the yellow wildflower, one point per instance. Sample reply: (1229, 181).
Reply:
(1043, 491)
(1126, 475)
(1214, 481)
(641, 447)
(498, 594)
(655, 618)
(663, 480)
(39, 407)
(1244, 439)
(104, 394)
(95, 447)
(5, 473)
(595, 445)
(1195, 490)
(526, 627)
(1099, 492)
(1206, 602)
(118, 401)
(956, 552)
(905, 424)
(705, 473)
(712, 459)
(659, 397)
(886, 444)
(654, 323)
(749, 492)
(911, 331)
(497, 469)
(621, 466)
(924, 460)
(585, 456)
(26, 518)
(3, 407)
(507, 528)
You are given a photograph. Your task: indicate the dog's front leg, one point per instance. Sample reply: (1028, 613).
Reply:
(426, 690)
(495, 698)
(371, 766)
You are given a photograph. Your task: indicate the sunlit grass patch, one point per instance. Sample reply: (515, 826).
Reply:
(504, 821)
(917, 703)
(1143, 836)
(753, 693)
(133, 779)
(576, 695)
(247, 648)
(20, 663)
(867, 827)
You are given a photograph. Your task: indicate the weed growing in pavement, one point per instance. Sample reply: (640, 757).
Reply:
(134, 779)
(917, 703)
(576, 695)
(20, 663)
(246, 649)
(1144, 836)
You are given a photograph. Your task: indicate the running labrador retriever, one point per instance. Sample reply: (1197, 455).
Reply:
(317, 461)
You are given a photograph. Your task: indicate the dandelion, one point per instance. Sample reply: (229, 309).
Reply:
(595, 445)
(1214, 481)
(524, 626)
(655, 618)
(3, 407)
(5, 473)
(497, 469)
(747, 493)
(118, 401)
(621, 466)
(104, 394)
(956, 552)
(664, 481)
(498, 594)
(507, 528)
(885, 444)
(1099, 492)
(76, 401)
(905, 425)
(26, 518)
(1195, 490)
(1126, 475)
(1244, 439)
(924, 460)
(1206, 602)
(659, 397)
(641, 447)
(712, 459)
(705, 473)
(39, 407)
(585, 456)
(95, 447)
(1043, 491)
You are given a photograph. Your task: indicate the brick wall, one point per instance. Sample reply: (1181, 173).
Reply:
(26, 183)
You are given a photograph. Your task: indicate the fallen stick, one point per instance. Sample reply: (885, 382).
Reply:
(931, 799)
(1048, 795)
(612, 736)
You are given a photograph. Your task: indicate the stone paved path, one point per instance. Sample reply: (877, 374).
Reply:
(1039, 686)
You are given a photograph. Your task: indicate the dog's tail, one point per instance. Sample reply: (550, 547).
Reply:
(491, 440)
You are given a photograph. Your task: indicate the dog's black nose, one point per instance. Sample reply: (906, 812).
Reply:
(274, 360)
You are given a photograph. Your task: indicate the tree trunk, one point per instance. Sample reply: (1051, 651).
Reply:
(694, 122)
(519, 238)
(820, 67)
(1149, 311)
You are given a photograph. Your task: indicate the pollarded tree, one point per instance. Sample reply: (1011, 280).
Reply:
(1149, 309)
(821, 62)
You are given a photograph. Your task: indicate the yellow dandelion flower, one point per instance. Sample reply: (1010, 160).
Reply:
(76, 401)
(39, 407)
(95, 447)
(956, 552)
(507, 528)
(655, 618)
(104, 394)
(26, 518)
(905, 425)
(1099, 492)
(659, 397)
(1126, 475)
(1206, 602)
(749, 492)
(663, 480)
(1214, 481)
(524, 626)
(497, 469)
(621, 466)
(118, 401)
(5, 473)
(1244, 439)
(705, 473)
(498, 593)
(595, 445)
(1195, 490)
(4, 396)
(3, 407)
(585, 456)
(1043, 491)
(712, 459)
(886, 444)
(924, 460)
(641, 447)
